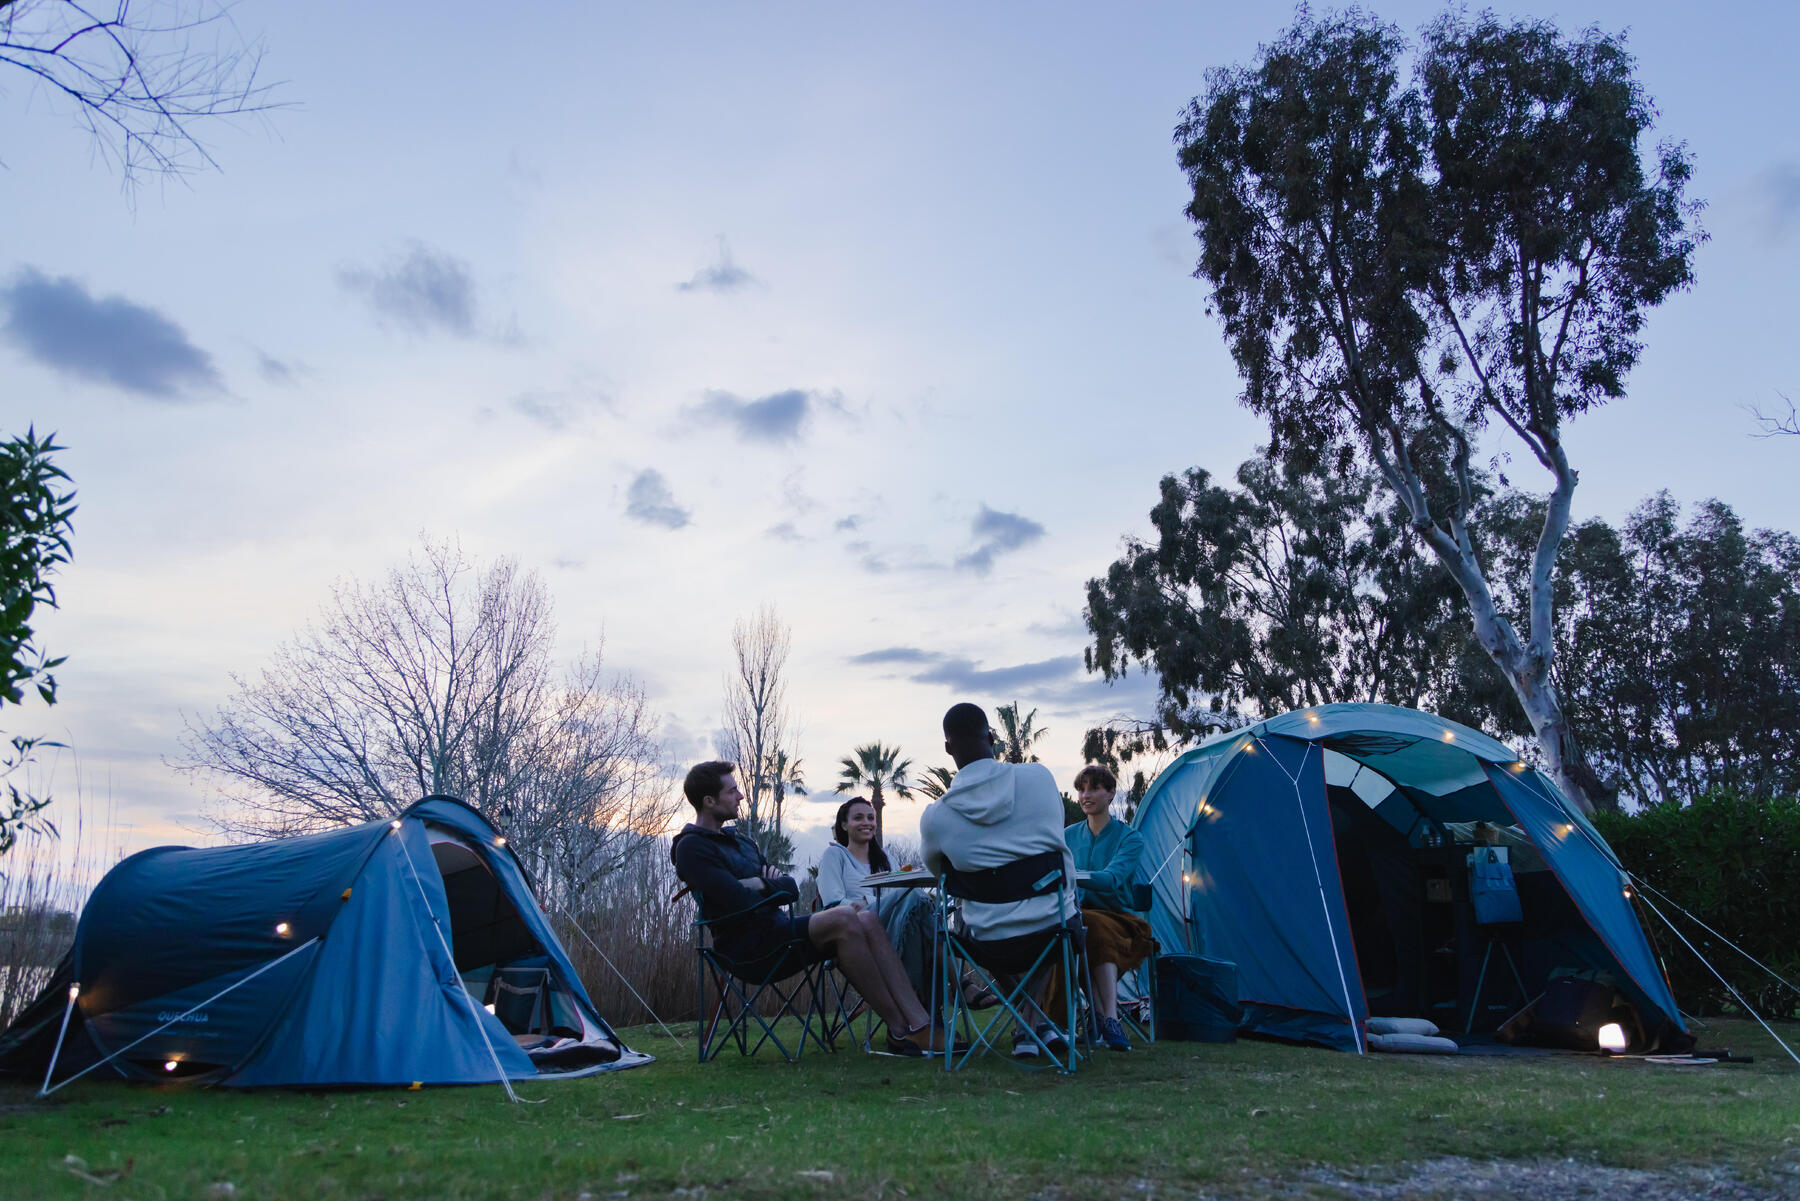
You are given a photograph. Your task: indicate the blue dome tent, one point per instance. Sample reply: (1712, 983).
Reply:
(1323, 851)
(392, 953)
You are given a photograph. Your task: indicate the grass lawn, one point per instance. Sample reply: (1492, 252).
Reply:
(1178, 1120)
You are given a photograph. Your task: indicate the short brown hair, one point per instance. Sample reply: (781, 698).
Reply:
(706, 779)
(1097, 776)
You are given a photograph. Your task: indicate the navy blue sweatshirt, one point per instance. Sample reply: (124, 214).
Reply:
(712, 864)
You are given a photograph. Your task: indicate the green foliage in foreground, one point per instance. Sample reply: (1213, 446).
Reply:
(1180, 1114)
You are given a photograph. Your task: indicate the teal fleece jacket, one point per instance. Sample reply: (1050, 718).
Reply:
(1112, 858)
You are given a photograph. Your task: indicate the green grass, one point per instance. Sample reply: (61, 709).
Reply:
(1178, 1116)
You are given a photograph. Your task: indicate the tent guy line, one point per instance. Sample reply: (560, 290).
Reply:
(75, 991)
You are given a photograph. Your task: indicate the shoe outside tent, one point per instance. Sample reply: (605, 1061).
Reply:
(398, 952)
(1326, 852)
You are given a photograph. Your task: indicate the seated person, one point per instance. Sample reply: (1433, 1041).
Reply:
(994, 813)
(909, 915)
(740, 895)
(1117, 939)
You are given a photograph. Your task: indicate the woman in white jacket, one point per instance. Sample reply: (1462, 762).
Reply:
(855, 854)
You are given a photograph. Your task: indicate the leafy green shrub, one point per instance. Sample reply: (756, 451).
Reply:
(1734, 863)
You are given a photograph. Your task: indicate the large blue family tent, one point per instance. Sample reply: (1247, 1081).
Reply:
(1327, 853)
(398, 952)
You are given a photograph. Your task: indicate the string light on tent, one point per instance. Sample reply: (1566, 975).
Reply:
(499, 840)
(74, 991)
(394, 825)
(282, 929)
(1449, 736)
(1313, 718)
(1627, 893)
(1612, 1038)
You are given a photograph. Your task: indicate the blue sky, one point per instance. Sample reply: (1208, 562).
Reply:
(879, 314)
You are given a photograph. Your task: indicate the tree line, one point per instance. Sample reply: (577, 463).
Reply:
(1676, 641)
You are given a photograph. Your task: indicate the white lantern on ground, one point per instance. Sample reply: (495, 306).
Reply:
(1612, 1038)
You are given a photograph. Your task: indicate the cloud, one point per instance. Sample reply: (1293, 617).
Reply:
(63, 326)
(424, 290)
(777, 417)
(851, 523)
(997, 533)
(649, 500)
(1778, 195)
(897, 654)
(721, 275)
(785, 532)
(558, 411)
(964, 675)
(1059, 684)
(276, 371)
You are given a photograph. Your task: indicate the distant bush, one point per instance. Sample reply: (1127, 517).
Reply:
(1734, 862)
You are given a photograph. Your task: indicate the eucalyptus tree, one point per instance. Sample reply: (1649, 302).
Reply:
(1414, 266)
(876, 770)
(1299, 586)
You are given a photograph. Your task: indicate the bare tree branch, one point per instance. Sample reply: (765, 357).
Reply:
(142, 78)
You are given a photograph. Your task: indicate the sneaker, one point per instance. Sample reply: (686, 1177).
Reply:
(1053, 1038)
(1112, 1033)
(1024, 1047)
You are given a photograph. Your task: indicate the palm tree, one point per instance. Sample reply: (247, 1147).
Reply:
(936, 782)
(1018, 734)
(783, 777)
(874, 768)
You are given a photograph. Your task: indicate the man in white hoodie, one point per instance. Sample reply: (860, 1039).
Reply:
(994, 813)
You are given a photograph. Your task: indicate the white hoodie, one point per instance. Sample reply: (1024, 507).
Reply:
(995, 813)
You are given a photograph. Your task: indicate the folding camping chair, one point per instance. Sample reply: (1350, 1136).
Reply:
(802, 985)
(1022, 879)
(1498, 915)
(1140, 1017)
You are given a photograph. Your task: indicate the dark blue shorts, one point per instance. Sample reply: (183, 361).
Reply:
(771, 951)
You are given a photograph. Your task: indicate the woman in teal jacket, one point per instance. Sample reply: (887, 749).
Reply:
(1118, 940)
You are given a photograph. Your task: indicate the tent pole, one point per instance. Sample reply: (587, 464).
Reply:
(1722, 980)
(621, 975)
(74, 991)
(1324, 904)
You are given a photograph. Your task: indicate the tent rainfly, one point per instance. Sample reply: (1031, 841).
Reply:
(398, 952)
(1323, 851)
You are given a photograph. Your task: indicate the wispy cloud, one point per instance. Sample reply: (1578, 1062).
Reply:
(559, 411)
(1058, 682)
(997, 533)
(1778, 194)
(423, 290)
(720, 275)
(274, 370)
(778, 417)
(785, 532)
(649, 500)
(111, 340)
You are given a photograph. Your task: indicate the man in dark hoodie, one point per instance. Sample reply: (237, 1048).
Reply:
(741, 896)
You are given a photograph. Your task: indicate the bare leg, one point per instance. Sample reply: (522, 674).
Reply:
(1106, 989)
(893, 972)
(841, 932)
